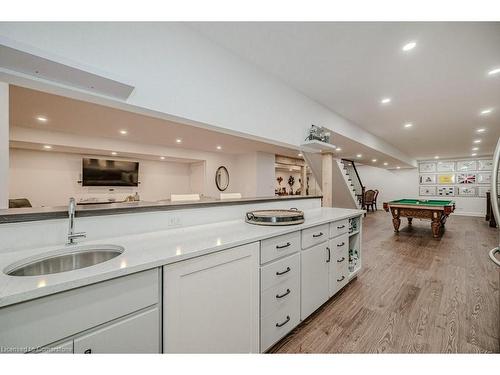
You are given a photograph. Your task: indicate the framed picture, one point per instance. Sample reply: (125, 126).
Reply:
(427, 167)
(446, 166)
(427, 178)
(466, 178)
(484, 178)
(467, 191)
(446, 191)
(466, 165)
(446, 179)
(485, 165)
(482, 190)
(427, 190)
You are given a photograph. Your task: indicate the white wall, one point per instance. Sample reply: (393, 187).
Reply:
(4, 145)
(403, 183)
(177, 71)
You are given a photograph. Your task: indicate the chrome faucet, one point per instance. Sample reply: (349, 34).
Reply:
(71, 232)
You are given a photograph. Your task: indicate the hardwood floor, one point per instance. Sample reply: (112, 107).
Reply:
(416, 294)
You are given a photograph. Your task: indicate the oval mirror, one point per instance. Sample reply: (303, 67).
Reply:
(222, 178)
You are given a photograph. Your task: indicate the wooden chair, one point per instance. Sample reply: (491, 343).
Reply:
(370, 200)
(375, 199)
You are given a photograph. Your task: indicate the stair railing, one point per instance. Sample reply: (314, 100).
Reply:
(359, 188)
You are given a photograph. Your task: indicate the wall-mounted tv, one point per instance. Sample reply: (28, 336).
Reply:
(102, 172)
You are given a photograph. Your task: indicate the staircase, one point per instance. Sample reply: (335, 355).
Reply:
(353, 180)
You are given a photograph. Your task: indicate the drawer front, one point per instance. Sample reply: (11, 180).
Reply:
(340, 263)
(280, 296)
(315, 235)
(280, 272)
(278, 324)
(339, 227)
(280, 246)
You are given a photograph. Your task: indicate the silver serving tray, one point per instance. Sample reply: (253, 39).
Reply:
(275, 217)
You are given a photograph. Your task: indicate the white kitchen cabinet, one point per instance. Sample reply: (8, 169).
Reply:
(137, 333)
(211, 303)
(314, 278)
(338, 266)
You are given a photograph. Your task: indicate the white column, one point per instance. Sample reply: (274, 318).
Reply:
(327, 179)
(4, 145)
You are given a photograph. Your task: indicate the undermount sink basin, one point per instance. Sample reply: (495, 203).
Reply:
(64, 260)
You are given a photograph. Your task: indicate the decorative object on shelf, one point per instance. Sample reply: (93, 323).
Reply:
(222, 178)
(485, 165)
(353, 225)
(466, 178)
(446, 166)
(318, 133)
(466, 165)
(427, 167)
(353, 259)
(427, 190)
(291, 181)
(467, 191)
(275, 217)
(280, 180)
(446, 179)
(446, 191)
(484, 178)
(427, 178)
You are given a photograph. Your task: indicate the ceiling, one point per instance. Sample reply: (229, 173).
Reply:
(88, 119)
(440, 86)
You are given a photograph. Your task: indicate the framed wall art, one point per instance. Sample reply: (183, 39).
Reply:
(466, 165)
(446, 166)
(467, 191)
(484, 178)
(446, 191)
(446, 179)
(466, 178)
(428, 190)
(427, 178)
(485, 165)
(427, 167)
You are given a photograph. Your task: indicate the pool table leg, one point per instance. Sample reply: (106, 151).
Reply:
(436, 226)
(396, 221)
(409, 221)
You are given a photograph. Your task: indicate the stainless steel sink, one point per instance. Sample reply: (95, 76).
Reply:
(64, 260)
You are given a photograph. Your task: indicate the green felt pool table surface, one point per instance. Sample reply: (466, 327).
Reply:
(423, 202)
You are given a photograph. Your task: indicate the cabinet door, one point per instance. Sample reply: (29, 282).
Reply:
(211, 303)
(138, 333)
(339, 265)
(314, 278)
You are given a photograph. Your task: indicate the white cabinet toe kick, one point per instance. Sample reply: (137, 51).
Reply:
(239, 300)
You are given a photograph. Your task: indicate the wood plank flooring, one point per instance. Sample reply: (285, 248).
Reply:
(415, 294)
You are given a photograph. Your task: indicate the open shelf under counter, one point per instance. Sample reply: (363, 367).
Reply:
(353, 233)
(355, 272)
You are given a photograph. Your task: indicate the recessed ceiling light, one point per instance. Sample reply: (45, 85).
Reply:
(162, 157)
(409, 46)
(486, 111)
(475, 148)
(481, 130)
(473, 154)
(494, 71)
(338, 149)
(47, 147)
(123, 132)
(299, 155)
(477, 141)
(290, 169)
(386, 163)
(385, 100)
(408, 125)
(219, 147)
(114, 153)
(374, 160)
(42, 119)
(436, 157)
(359, 155)
(178, 140)
(398, 167)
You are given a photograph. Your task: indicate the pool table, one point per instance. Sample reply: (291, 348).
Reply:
(435, 210)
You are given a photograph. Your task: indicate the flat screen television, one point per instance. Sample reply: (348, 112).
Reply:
(102, 172)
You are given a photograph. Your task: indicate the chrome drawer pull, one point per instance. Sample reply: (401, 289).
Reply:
(342, 226)
(285, 322)
(329, 255)
(340, 260)
(341, 279)
(284, 294)
(88, 351)
(283, 246)
(278, 273)
(318, 235)
(341, 244)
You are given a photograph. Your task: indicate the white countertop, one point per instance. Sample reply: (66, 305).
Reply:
(148, 250)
